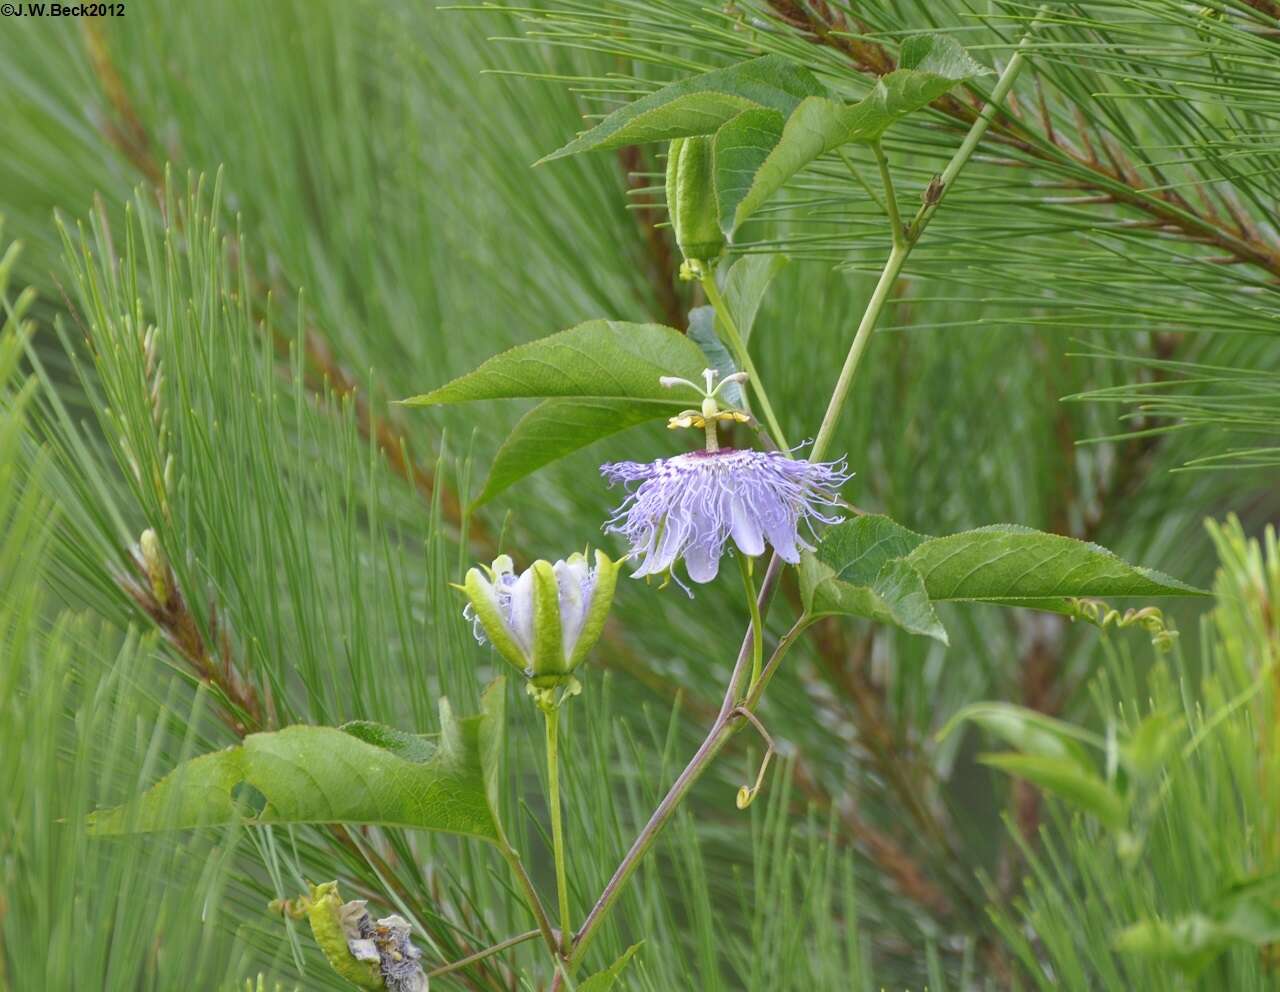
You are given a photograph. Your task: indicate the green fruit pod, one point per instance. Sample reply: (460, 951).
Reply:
(691, 198)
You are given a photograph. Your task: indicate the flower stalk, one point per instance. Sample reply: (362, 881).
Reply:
(551, 716)
(549, 936)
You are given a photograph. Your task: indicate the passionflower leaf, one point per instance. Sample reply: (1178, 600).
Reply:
(597, 378)
(859, 563)
(364, 773)
(558, 427)
(596, 360)
(771, 118)
(931, 65)
(699, 105)
(896, 595)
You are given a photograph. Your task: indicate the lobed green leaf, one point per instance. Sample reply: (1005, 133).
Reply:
(1017, 566)
(771, 118)
(599, 378)
(931, 65)
(559, 427)
(361, 773)
(895, 595)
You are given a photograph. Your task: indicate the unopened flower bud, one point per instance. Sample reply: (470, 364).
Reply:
(691, 198)
(544, 620)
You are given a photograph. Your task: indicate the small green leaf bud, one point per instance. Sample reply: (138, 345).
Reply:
(692, 200)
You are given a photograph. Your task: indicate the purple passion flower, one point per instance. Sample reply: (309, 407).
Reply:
(688, 506)
(544, 620)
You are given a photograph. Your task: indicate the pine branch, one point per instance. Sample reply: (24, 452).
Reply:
(1117, 179)
(154, 590)
(126, 132)
(1268, 8)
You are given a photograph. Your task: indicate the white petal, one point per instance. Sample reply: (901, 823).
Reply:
(781, 532)
(571, 579)
(703, 561)
(520, 615)
(665, 549)
(745, 528)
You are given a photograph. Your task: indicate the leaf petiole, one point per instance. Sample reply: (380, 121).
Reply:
(890, 198)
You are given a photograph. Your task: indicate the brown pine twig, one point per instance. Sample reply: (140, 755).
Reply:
(824, 26)
(154, 590)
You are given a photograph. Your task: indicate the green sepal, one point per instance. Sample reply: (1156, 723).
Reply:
(601, 600)
(324, 913)
(478, 591)
(691, 198)
(548, 639)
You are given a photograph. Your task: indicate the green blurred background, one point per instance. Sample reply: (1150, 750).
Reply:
(352, 218)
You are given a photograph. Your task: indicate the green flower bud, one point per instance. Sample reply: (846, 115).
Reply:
(691, 198)
(545, 620)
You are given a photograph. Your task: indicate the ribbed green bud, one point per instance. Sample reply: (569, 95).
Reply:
(544, 620)
(691, 198)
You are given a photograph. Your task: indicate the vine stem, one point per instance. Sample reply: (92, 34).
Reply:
(742, 355)
(903, 243)
(512, 858)
(729, 717)
(552, 714)
(478, 956)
